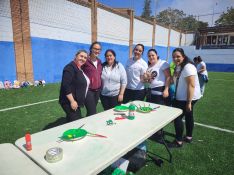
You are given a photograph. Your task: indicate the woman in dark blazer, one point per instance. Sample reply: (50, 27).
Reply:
(74, 87)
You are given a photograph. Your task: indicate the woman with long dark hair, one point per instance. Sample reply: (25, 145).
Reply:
(159, 78)
(93, 69)
(114, 81)
(187, 93)
(135, 68)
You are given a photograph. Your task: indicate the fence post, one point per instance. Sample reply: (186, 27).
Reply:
(180, 38)
(131, 14)
(22, 39)
(168, 42)
(94, 20)
(153, 34)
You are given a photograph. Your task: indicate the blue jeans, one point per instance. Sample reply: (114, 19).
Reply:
(202, 84)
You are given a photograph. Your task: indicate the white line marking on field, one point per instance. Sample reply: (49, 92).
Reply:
(31, 104)
(221, 80)
(214, 127)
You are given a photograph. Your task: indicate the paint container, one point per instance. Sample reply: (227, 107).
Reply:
(28, 144)
(131, 112)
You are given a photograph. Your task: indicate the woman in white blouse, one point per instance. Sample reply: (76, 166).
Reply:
(135, 68)
(114, 81)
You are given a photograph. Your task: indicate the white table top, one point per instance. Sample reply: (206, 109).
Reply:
(91, 155)
(14, 162)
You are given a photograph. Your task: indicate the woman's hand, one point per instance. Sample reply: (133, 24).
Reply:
(120, 98)
(165, 93)
(74, 105)
(188, 106)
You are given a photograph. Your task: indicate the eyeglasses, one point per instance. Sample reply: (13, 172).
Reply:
(138, 50)
(98, 49)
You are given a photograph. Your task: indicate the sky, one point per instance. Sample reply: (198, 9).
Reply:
(190, 7)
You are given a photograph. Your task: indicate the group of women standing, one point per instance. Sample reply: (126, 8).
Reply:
(85, 79)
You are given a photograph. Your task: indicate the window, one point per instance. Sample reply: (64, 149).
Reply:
(214, 38)
(231, 42)
(208, 42)
(220, 38)
(225, 39)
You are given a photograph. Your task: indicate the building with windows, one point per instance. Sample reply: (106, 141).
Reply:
(219, 37)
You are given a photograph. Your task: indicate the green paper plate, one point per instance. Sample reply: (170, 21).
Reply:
(121, 108)
(144, 109)
(74, 134)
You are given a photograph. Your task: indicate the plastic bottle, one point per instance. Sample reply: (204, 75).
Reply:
(131, 112)
(28, 144)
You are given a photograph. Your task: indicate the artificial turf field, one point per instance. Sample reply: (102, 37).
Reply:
(212, 151)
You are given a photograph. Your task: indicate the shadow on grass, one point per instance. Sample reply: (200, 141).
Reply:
(159, 137)
(58, 122)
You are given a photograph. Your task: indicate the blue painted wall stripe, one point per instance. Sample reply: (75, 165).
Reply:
(50, 57)
(220, 67)
(7, 61)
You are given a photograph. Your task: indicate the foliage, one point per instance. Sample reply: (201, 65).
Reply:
(170, 17)
(146, 14)
(202, 24)
(226, 18)
(179, 20)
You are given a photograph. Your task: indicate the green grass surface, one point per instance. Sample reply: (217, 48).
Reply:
(212, 151)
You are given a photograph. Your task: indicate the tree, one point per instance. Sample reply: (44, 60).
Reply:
(226, 18)
(146, 14)
(190, 23)
(170, 17)
(178, 20)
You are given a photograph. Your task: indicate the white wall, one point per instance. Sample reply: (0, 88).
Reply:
(161, 36)
(142, 33)
(222, 56)
(112, 28)
(188, 39)
(183, 39)
(174, 38)
(60, 20)
(6, 32)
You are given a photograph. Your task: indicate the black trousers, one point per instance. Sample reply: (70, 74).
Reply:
(91, 102)
(109, 102)
(131, 95)
(71, 115)
(189, 121)
(158, 99)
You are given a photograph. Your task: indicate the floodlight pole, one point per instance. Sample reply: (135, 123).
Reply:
(213, 14)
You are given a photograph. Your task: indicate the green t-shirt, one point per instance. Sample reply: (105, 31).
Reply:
(172, 68)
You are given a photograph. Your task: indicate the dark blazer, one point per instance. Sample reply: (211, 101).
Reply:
(73, 81)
